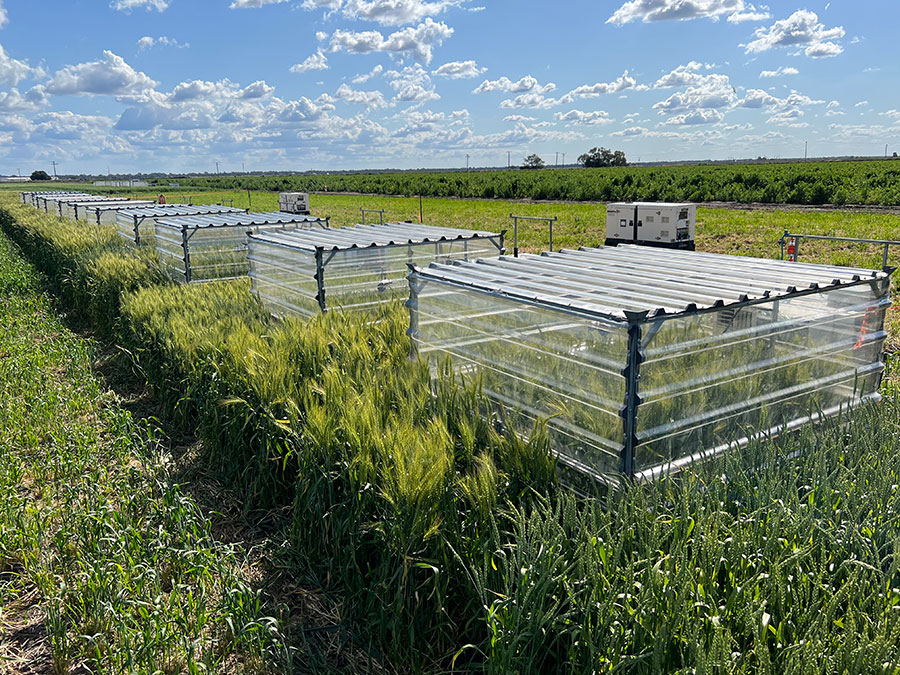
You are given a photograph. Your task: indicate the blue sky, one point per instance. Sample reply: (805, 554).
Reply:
(178, 85)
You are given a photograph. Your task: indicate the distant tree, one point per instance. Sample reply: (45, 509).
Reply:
(40, 175)
(602, 157)
(533, 162)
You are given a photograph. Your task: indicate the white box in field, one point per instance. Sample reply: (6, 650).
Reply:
(651, 224)
(294, 202)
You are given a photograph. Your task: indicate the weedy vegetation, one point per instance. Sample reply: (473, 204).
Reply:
(447, 541)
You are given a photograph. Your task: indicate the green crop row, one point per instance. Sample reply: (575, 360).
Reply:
(858, 182)
(448, 540)
(107, 565)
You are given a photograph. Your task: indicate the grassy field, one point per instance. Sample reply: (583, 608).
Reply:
(447, 544)
(106, 564)
(733, 231)
(736, 231)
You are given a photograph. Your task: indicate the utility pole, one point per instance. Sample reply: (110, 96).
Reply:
(243, 170)
(557, 159)
(217, 168)
(805, 149)
(467, 161)
(564, 158)
(508, 164)
(54, 168)
(885, 150)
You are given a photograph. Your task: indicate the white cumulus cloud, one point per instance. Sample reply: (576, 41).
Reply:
(625, 81)
(13, 71)
(128, 5)
(148, 42)
(395, 12)
(417, 42)
(365, 77)
(574, 117)
(111, 77)
(458, 70)
(683, 10)
(710, 91)
(253, 4)
(4, 17)
(682, 76)
(504, 84)
(778, 72)
(317, 61)
(370, 99)
(412, 84)
(694, 117)
(803, 30)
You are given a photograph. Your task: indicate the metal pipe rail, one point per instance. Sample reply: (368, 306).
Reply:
(516, 220)
(794, 254)
(380, 213)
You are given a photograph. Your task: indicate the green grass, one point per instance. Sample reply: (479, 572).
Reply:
(449, 544)
(106, 565)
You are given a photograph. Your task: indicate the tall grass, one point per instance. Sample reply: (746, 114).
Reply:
(451, 546)
(106, 565)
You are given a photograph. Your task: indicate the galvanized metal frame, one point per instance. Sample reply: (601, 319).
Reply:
(380, 212)
(516, 220)
(325, 244)
(643, 325)
(887, 243)
(190, 225)
(322, 259)
(161, 211)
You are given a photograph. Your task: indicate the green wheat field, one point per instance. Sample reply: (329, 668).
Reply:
(188, 486)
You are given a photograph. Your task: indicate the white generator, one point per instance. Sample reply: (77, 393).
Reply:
(651, 224)
(294, 202)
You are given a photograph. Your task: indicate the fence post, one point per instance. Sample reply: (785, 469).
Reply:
(320, 279)
(632, 398)
(187, 254)
(415, 286)
(515, 235)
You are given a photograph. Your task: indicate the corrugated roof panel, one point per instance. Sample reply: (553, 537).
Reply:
(236, 220)
(121, 206)
(68, 199)
(615, 280)
(163, 210)
(365, 236)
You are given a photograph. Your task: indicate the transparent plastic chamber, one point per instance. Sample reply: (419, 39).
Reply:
(207, 248)
(645, 360)
(353, 268)
(105, 214)
(137, 226)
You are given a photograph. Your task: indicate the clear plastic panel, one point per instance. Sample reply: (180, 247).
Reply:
(213, 252)
(358, 279)
(354, 280)
(716, 378)
(535, 363)
(708, 381)
(284, 279)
